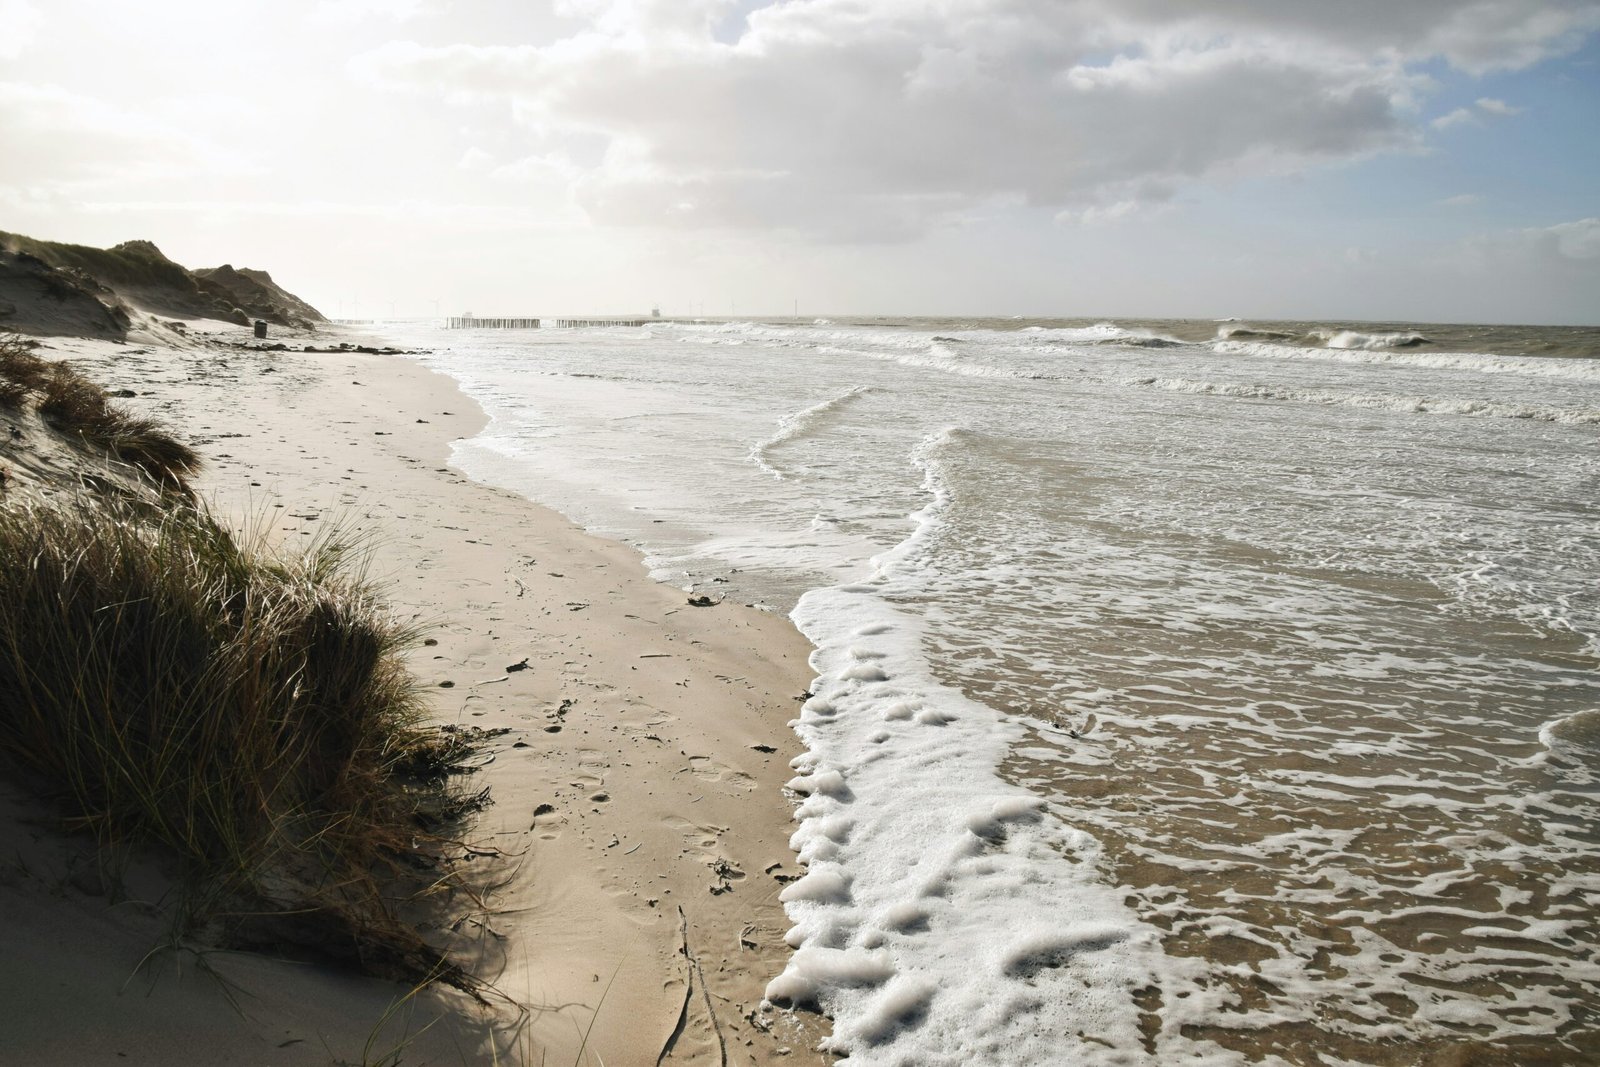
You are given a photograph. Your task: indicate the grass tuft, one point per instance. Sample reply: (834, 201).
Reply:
(21, 372)
(166, 684)
(72, 404)
(75, 406)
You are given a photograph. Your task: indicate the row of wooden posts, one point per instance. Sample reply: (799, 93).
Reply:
(461, 322)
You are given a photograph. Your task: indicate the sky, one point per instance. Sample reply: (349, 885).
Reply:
(1421, 160)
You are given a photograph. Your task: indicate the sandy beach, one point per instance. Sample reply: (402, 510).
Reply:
(637, 842)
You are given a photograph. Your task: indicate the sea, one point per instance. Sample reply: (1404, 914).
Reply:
(1187, 692)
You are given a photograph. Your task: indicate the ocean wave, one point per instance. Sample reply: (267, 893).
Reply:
(941, 358)
(1571, 747)
(1575, 736)
(1101, 333)
(1422, 405)
(800, 423)
(1369, 341)
(1153, 340)
(1326, 338)
(891, 925)
(1252, 333)
(1587, 370)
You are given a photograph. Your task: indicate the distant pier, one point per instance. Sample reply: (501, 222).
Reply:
(463, 322)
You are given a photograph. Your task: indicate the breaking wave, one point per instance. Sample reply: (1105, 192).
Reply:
(1587, 370)
(1421, 405)
(1369, 341)
(800, 423)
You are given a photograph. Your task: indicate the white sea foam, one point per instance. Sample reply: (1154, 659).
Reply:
(1277, 672)
(801, 422)
(1478, 407)
(1585, 370)
(1369, 341)
(940, 356)
(941, 855)
(1573, 743)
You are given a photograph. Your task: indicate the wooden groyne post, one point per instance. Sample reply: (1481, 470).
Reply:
(468, 322)
(462, 322)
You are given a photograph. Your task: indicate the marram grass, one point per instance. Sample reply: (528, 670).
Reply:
(72, 404)
(165, 684)
(81, 410)
(20, 370)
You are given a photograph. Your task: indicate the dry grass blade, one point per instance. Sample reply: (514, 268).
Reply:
(252, 714)
(72, 404)
(21, 372)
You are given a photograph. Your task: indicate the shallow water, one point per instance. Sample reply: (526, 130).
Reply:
(1184, 693)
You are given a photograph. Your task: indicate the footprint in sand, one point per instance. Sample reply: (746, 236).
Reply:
(708, 770)
(700, 840)
(587, 783)
(702, 843)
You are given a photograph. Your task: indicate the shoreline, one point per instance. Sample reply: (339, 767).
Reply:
(638, 809)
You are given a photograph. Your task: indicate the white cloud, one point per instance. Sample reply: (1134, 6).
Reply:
(1461, 116)
(1497, 107)
(1466, 116)
(475, 159)
(1565, 250)
(476, 217)
(1114, 212)
(352, 12)
(552, 170)
(1461, 200)
(55, 138)
(19, 24)
(878, 119)
(1574, 240)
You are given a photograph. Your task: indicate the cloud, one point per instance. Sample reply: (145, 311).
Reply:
(475, 159)
(1150, 204)
(1461, 200)
(1475, 36)
(55, 138)
(1565, 250)
(1572, 240)
(1461, 116)
(1497, 107)
(352, 12)
(879, 119)
(19, 24)
(439, 215)
(1467, 116)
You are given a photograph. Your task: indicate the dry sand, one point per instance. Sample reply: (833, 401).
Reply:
(639, 825)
